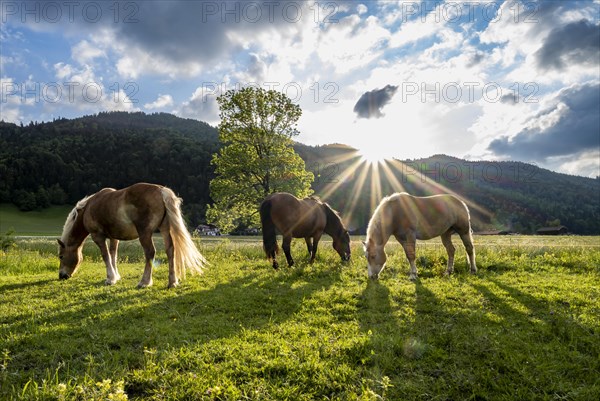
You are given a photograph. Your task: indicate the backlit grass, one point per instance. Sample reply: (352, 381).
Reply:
(526, 327)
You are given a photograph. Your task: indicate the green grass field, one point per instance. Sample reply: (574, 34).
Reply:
(44, 222)
(527, 327)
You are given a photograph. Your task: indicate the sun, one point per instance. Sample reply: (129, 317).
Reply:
(374, 155)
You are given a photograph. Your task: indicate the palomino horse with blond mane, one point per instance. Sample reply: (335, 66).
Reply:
(133, 212)
(409, 218)
(300, 218)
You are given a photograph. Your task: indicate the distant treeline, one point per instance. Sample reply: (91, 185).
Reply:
(62, 161)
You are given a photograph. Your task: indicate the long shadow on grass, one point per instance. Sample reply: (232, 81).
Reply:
(19, 286)
(545, 322)
(376, 318)
(115, 326)
(557, 320)
(400, 339)
(536, 333)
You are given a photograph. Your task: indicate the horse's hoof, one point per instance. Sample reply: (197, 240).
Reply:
(474, 272)
(110, 282)
(173, 285)
(144, 285)
(276, 266)
(413, 277)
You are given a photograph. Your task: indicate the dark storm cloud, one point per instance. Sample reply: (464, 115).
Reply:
(178, 30)
(370, 103)
(575, 43)
(475, 58)
(509, 98)
(577, 130)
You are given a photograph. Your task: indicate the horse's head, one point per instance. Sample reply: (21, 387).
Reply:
(70, 259)
(376, 258)
(342, 245)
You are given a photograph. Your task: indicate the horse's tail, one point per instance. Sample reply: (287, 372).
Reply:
(185, 253)
(268, 230)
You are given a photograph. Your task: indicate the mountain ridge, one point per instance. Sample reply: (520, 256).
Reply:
(61, 161)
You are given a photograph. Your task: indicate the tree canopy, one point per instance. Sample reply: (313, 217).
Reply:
(257, 157)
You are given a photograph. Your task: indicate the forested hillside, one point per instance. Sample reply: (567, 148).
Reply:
(60, 162)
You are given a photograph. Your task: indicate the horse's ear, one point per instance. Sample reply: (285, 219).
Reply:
(62, 244)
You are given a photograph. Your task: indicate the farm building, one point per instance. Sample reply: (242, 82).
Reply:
(558, 230)
(493, 232)
(207, 229)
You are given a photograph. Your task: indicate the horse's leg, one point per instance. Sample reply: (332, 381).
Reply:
(114, 246)
(467, 240)
(149, 252)
(409, 244)
(287, 241)
(100, 240)
(309, 245)
(316, 240)
(170, 250)
(447, 241)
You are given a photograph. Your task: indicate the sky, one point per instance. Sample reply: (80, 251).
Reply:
(480, 80)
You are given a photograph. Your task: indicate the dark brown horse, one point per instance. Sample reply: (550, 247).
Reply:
(409, 218)
(133, 212)
(300, 218)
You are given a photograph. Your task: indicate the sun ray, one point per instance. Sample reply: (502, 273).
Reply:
(344, 176)
(385, 175)
(376, 195)
(430, 185)
(358, 184)
(389, 175)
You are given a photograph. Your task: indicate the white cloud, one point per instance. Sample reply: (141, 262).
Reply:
(586, 164)
(202, 105)
(352, 43)
(84, 52)
(160, 103)
(81, 90)
(10, 98)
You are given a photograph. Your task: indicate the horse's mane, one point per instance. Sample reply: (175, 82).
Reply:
(374, 226)
(333, 217)
(72, 217)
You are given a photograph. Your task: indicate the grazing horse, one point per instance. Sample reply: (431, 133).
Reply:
(300, 218)
(409, 218)
(133, 212)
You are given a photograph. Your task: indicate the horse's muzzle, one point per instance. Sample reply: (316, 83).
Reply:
(346, 258)
(63, 276)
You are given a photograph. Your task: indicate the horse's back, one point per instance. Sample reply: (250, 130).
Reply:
(122, 213)
(296, 217)
(430, 216)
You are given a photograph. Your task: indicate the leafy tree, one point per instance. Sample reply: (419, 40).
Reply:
(257, 157)
(7, 241)
(24, 200)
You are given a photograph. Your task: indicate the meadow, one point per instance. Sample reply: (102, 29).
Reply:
(526, 327)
